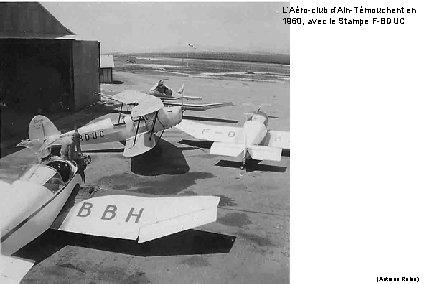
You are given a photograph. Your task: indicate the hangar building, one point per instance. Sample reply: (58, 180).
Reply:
(42, 64)
(105, 71)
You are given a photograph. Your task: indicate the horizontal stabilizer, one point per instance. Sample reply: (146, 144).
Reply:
(264, 153)
(136, 217)
(144, 142)
(227, 149)
(13, 269)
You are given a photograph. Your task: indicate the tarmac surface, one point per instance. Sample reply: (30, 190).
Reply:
(249, 242)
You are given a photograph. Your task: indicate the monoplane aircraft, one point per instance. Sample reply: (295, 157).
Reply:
(161, 91)
(38, 201)
(148, 117)
(252, 141)
(165, 94)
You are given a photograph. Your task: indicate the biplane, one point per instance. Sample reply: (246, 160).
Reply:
(44, 198)
(148, 117)
(252, 141)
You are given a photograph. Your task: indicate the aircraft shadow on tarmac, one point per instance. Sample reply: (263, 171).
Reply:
(165, 158)
(188, 242)
(207, 144)
(212, 119)
(252, 166)
(285, 152)
(111, 150)
(197, 143)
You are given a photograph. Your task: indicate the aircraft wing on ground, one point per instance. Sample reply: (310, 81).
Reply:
(226, 134)
(196, 107)
(128, 215)
(279, 139)
(13, 269)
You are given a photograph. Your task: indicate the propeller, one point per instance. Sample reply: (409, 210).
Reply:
(258, 109)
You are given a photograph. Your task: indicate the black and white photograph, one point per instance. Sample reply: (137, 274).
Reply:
(144, 142)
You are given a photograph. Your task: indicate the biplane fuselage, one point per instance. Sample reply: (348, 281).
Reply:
(106, 131)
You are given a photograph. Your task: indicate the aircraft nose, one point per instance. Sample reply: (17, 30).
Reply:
(177, 115)
(180, 112)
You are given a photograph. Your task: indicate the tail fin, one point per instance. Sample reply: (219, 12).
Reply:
(41, 133)
(41, 127)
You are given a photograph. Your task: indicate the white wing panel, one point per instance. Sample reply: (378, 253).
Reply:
(226, 134)
(280, 139)
(13, 269)
(132, 217)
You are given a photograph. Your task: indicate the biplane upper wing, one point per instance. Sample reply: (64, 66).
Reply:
(148, 104)
(226, 134)
(279, 139)
(197, 107)
(128, 97)
(117, 214)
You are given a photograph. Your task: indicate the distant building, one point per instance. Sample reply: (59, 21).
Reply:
(105, 70)
(42, 64)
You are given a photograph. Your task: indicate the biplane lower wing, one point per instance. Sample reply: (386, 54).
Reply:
(143, 143)
(115, 214)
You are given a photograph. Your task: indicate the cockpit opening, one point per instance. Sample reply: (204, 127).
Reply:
(63, 168)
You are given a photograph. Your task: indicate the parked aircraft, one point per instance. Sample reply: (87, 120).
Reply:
(30, 205)
(161, 91)
(138, 130)
(252, 141)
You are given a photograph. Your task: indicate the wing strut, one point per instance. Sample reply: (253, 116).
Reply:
(119, 116)
(137, 129)
(153, 125)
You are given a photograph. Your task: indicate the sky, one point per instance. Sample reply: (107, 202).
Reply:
(162, 26)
